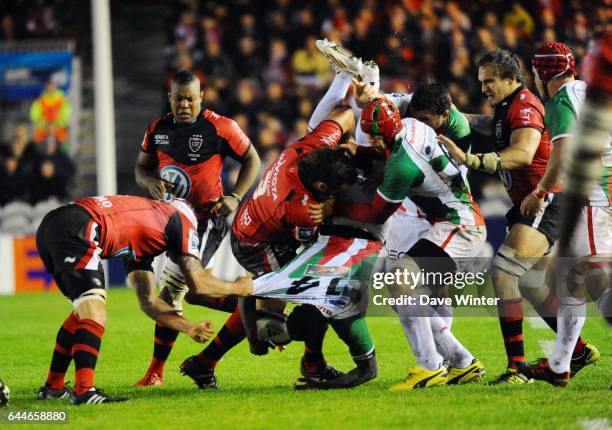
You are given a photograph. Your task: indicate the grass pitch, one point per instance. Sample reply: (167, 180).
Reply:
(257, 391)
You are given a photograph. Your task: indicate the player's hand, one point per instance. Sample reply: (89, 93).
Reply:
(457, 153)
(157, 187)
(225, 206)
(531, 205)
(363, 93)
(244, 285)
(349, 146)
(202, 332)
(315, 211)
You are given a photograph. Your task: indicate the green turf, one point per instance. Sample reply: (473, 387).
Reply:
(257, 390)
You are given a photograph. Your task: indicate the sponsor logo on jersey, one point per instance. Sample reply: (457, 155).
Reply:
(270, 181)
(195, 143)
(180, 179)
(323, 271)
(526, 115)
(69, 260)
(162, 139)
(332, 138)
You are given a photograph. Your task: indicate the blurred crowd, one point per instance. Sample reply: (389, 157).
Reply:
(260, 65)
(33, 19)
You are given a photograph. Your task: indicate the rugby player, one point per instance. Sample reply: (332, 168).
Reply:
(283, 212)
(72, 240)
(419, 168)
(522, 147)
(182, 154)
(554, 70)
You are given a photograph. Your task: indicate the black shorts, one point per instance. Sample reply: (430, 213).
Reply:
(68, 244)
(546, 220)
(261, 258)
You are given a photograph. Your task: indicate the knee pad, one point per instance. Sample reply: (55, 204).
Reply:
(173, 288)
(511, 262)
(305, 323)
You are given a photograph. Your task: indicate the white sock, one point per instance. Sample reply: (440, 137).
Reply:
(570, 319)
(417, 327)
(446, 313)
(447, 344)
(332, 98)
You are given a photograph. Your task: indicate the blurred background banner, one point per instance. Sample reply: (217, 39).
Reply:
(23, 75)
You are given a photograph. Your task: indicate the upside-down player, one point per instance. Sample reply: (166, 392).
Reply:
(74, 238)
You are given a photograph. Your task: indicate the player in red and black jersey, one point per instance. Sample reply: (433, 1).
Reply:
(73, 239)
(182, 155)
(285, 210)
(522, 147)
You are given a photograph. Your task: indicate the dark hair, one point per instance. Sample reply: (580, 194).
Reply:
(184, 77)
(330, 166)
(431, 97)
(506, 63)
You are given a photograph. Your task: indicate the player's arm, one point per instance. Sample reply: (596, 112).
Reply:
(524, 143)
(143, 282)
(201, 281)
(145, 174)
(377, 212)
(533, 202)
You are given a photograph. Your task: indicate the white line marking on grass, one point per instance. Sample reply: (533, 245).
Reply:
(546, 346)
(595, 424)
(537, 322)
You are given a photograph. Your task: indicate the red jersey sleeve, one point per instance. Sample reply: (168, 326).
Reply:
(146, 145)
(297, 219)
(182, 237)
(237, 142)
(328, 133)
(526, 111)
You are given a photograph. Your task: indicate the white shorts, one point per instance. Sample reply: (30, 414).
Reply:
(460, 242)
(332, 275)
(593, 234)
(407, 227)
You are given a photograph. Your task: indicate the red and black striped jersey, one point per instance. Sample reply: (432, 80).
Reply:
(519, 110)
(136, 227)
(191, 155)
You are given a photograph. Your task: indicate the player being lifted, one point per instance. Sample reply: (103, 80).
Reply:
(182, 154)
(283, 212)
(417, 167)
(522, 146)
(554, 70)
(74, 238)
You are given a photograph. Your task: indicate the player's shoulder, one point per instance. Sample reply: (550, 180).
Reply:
(224, 125)
(526, 97)
(160, 122)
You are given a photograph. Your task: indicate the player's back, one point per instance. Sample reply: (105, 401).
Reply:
(434, 181)
(129, 225)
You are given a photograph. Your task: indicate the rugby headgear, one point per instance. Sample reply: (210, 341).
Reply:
(381, 118)
(553, 60)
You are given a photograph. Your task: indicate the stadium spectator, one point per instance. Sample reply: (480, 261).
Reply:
(53, 174)
(18, 161)
(309, 65)
(50, 114)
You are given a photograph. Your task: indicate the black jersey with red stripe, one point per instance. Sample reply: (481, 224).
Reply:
(191, 155)
(521, 109)
(136, 227)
